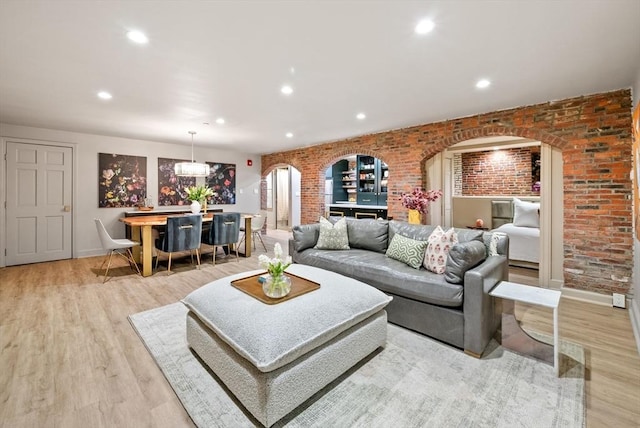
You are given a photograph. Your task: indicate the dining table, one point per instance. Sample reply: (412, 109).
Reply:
(141, 231)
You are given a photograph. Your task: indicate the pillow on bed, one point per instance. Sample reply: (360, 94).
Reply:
(526, 214)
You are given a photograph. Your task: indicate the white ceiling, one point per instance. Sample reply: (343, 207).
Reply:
(210, 59)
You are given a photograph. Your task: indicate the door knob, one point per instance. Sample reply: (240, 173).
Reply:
(67, 208)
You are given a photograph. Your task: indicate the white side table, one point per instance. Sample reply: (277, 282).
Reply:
(519, 340)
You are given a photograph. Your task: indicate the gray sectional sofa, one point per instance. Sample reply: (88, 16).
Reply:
(454, 307)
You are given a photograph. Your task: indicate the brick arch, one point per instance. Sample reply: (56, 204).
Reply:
(341, 154)
(266, 169)
(444, 143)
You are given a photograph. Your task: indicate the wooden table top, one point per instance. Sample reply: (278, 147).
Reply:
(160, 220)
(156, 220)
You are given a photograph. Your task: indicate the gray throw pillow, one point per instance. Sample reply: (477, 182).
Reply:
(368, 234)
(462, 257)
(333, 236)
(305, 236)
(407, 250)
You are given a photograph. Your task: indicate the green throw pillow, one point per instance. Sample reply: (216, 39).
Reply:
(407, 250)
(333, 236)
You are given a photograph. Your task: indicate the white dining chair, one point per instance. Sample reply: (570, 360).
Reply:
(257, 222)
(121, 247)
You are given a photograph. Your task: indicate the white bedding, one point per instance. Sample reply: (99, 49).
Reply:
(524, 242)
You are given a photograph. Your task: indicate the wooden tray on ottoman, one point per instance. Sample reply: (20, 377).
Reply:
(253, 288)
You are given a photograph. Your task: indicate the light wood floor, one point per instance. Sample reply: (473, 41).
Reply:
(71, 359)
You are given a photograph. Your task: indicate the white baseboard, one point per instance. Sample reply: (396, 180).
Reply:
(634, 314)
(587, 296)
(89, 253)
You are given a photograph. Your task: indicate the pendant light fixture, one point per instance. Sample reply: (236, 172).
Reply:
(193, 168)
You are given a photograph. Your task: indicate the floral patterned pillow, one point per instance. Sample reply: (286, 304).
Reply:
(333, 236)
(435, 258)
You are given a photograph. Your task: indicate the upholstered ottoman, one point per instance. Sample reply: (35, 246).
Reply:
(275, 357)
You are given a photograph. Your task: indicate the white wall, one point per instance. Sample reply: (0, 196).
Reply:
(634, 302)
(86, 148)
(296, 205)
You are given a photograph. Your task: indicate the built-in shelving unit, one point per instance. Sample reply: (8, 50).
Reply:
(373, 175)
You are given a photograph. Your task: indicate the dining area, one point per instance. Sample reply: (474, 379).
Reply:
(153, 234)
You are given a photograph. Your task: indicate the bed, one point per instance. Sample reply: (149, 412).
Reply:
(520, 220)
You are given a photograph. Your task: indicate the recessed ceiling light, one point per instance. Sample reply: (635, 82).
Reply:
(104, 95)
(483, 83)
(361, 116)
(425, 26)
(220, 121)
(289, 135)
(138, 37)
(287, 90)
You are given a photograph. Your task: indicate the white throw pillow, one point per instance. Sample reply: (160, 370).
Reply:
(526, 214)
(333, 236)
(435, 258)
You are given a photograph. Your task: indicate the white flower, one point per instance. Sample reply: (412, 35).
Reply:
(277, 250)
(275, 266)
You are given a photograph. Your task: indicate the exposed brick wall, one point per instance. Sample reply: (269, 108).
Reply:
(594, 134)
(498, 172)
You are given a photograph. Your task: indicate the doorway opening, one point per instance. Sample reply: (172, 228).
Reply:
(283, 198)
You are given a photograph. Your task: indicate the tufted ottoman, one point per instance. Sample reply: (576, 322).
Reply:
(275, 357)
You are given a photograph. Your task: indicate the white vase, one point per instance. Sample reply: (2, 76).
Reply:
(195, 207)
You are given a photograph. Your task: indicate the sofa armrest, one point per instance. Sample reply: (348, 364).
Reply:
(480, 318)
(304, 236)
(292, 248)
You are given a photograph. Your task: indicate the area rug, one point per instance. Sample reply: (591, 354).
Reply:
(413, 382)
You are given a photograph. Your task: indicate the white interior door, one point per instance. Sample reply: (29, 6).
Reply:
(38, 203)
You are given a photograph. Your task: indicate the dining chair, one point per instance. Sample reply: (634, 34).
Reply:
(257, 223)
(121, 247)
(182, 234)
(224, 231)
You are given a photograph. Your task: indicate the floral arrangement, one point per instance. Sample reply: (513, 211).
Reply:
(198, 193)
(276, 265)
(419, 199)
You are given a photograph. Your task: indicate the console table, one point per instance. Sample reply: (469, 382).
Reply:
(513, 337)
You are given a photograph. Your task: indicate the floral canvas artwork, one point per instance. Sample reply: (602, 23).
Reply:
(222, 180)
(171, 188)
(122, 180)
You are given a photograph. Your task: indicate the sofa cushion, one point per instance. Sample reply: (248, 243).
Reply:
(462, 257)
(368, 234)
(333, 236)
(407, 250)
(435, 258)
(386, 274)
(305, 236)
(419, 232)
(466, 235)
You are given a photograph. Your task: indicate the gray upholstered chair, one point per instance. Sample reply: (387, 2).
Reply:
(116, 246)
(182, 234)
(224, 231)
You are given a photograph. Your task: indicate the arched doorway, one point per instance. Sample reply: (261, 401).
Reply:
(456, 209)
